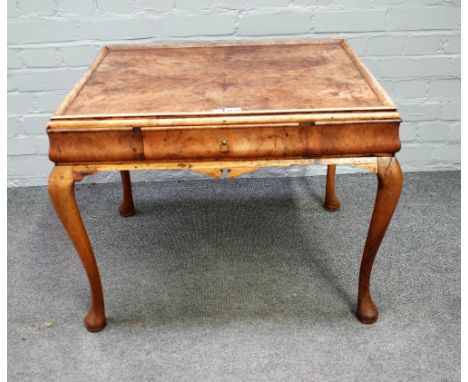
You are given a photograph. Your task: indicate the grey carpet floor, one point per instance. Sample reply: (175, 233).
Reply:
(239, 280)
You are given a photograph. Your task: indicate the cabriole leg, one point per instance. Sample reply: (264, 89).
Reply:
(62, 195)
(127, 208)
(331, 201)
(390, 180)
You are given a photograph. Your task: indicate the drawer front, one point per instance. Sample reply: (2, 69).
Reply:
(95, 146)
(219, 143)
(348, 139)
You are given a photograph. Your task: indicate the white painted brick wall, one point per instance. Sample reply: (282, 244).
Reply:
(412, 47)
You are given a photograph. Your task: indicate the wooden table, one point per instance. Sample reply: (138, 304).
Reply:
(224, 109)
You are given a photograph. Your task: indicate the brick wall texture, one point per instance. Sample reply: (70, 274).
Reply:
(411, 46)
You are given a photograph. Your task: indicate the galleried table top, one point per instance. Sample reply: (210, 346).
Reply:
(238, 78)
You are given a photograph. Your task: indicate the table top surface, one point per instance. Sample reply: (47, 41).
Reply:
(241, 78)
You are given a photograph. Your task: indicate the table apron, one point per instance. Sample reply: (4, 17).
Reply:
(224, 143)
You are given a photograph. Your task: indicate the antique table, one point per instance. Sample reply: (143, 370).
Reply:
(224, 109)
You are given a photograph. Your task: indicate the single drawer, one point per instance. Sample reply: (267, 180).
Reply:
(216, 142)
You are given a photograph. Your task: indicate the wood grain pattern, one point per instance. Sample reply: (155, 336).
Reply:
(245, 121)
(305, 75)
(225, 142)
(222, 143)
(368, 163)
(77, 88)
(94, 146)
(373, 83)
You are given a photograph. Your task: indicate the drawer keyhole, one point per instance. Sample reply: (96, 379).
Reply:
(224, 146)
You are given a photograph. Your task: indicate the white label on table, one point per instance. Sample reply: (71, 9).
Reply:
(228, 110)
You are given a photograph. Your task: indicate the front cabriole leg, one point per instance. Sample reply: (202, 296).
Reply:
(390, 180)
(62, 195)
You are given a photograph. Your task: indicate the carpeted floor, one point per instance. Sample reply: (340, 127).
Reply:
(239, 280)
